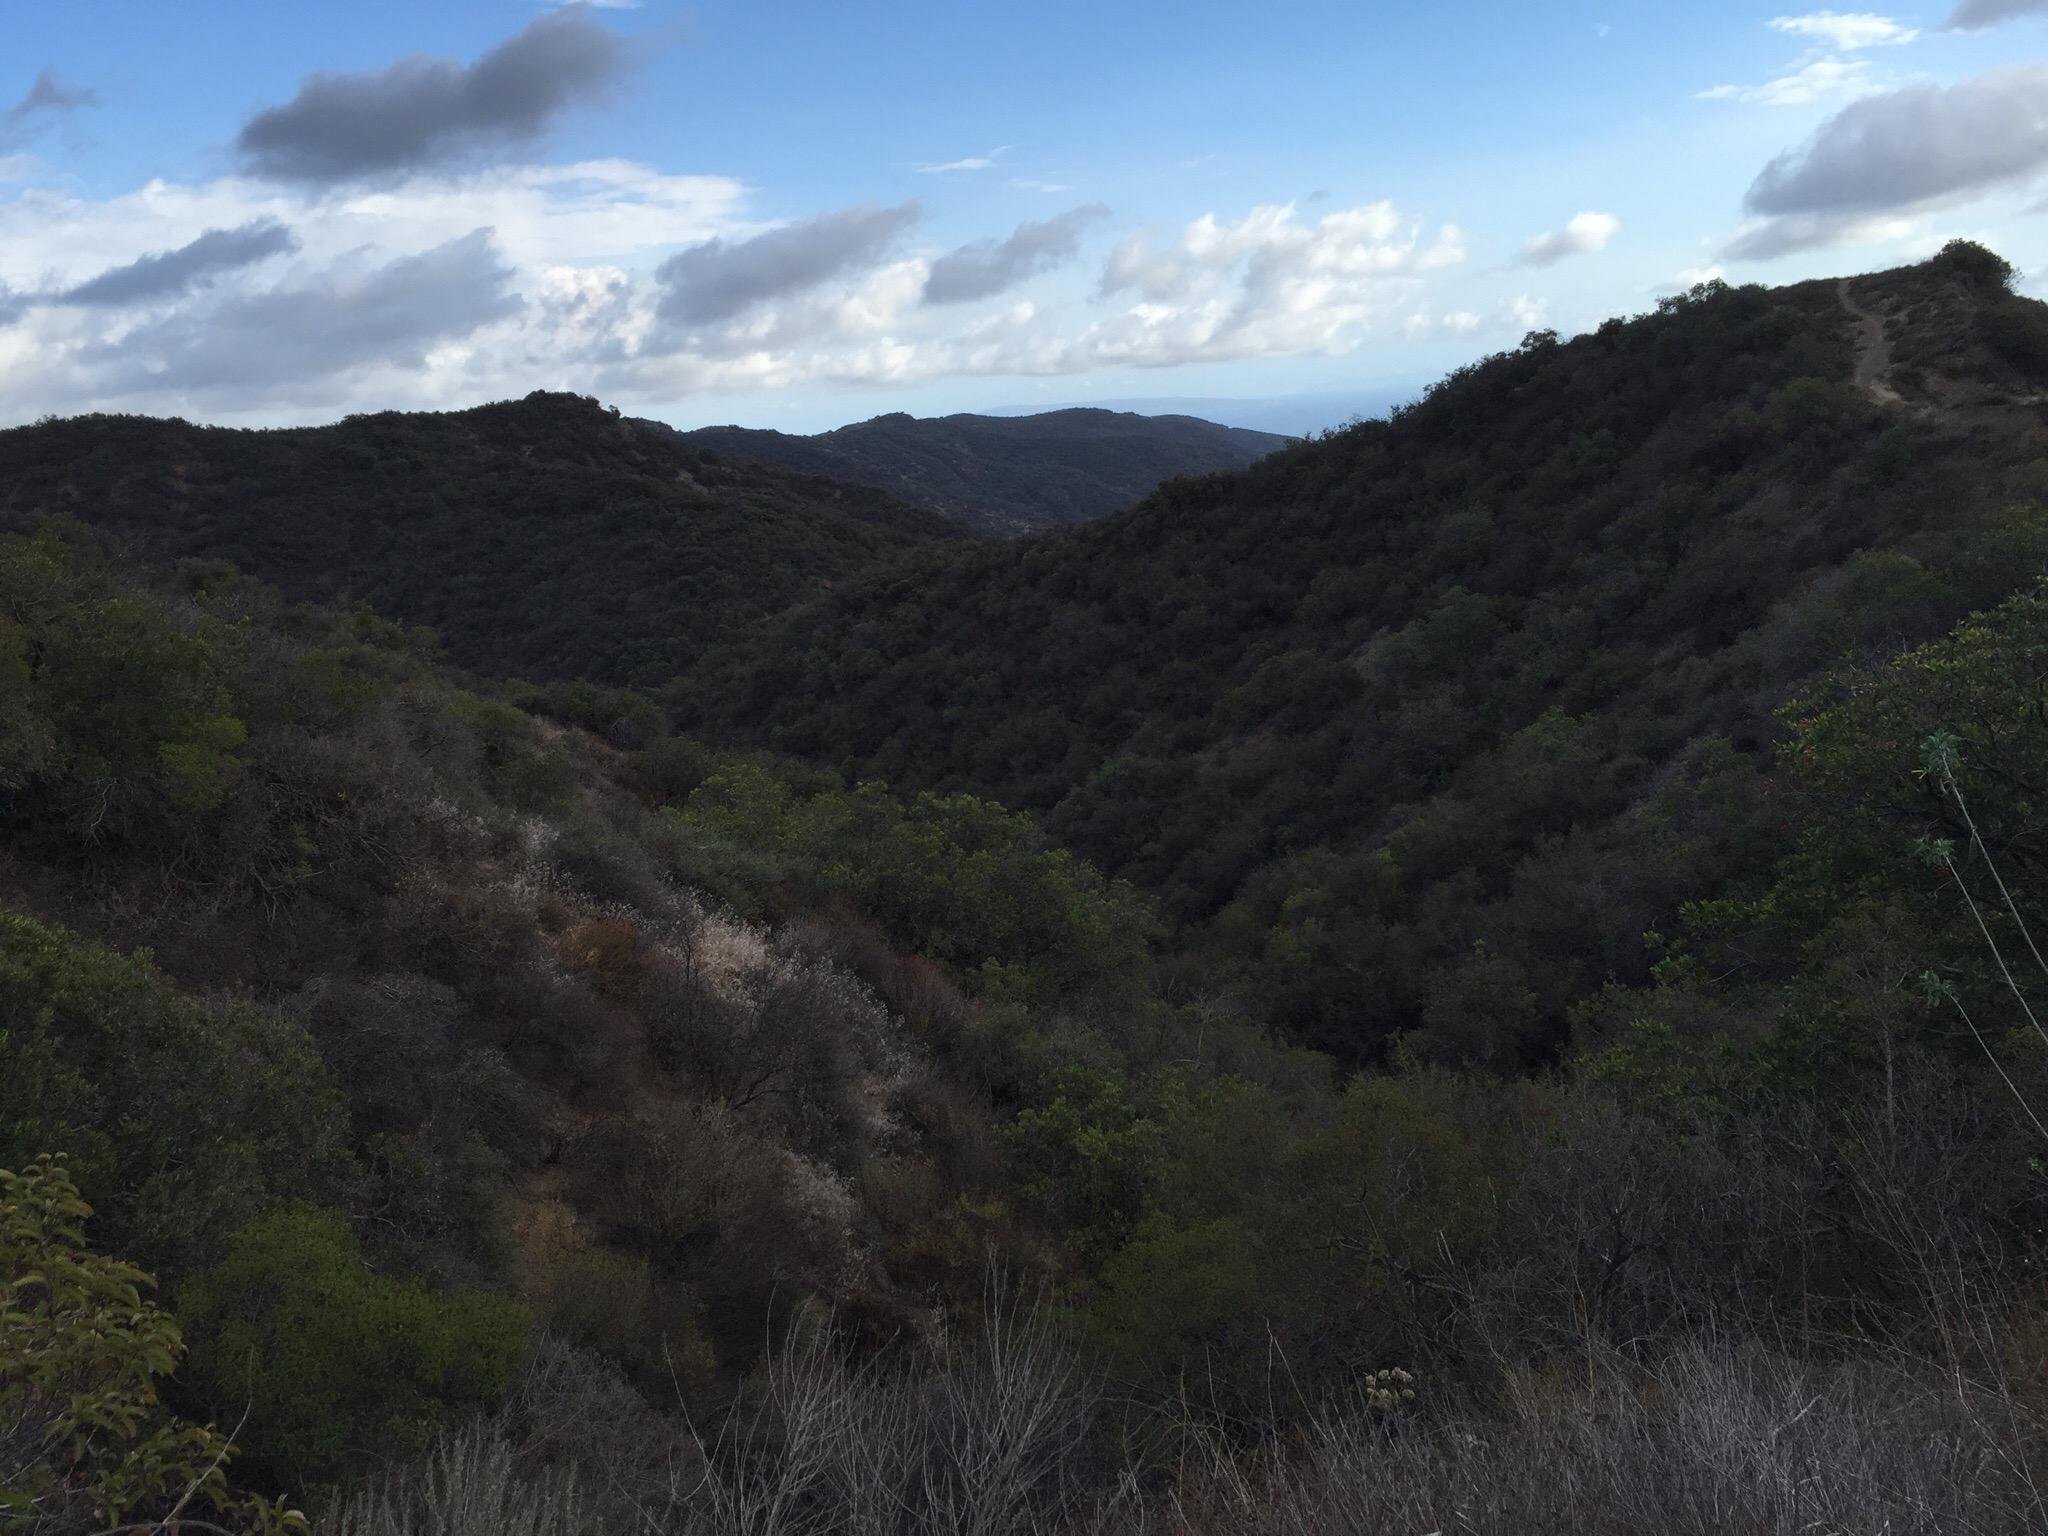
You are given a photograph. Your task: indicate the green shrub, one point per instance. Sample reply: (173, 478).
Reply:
(1975, 264)
(2017, 329)
(84, 1440)
(329, 1360)
(117, 721)
(182, 1120)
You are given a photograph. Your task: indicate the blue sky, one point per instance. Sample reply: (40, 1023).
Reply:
(798, 214)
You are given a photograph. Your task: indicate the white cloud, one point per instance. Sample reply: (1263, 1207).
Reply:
(1583, 234)
(1846, 31)
(1025, 184)
(968, 163)
(1813, 82)
(1267, 284)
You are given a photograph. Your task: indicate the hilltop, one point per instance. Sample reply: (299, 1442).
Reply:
(543, 537)
(1418, 711)
(1007, 474)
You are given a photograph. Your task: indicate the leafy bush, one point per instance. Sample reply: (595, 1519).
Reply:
(2018, 332)
(84, 1439)
(959, 879)
(182, 1119)
(116, 721)
(330, 1361)
(1975, 263)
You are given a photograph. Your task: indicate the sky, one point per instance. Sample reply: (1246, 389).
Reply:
(799, 213)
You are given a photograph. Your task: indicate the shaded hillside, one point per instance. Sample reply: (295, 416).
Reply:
(532, 1108)
(1420, 716)
(543, 537)
(452, 970)
(1007, 474)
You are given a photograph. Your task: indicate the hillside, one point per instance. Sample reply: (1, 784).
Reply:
(1416, 718)
(1006, 474)
(541, 537)
(516, 1108)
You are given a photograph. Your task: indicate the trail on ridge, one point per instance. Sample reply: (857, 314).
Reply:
(1873, 349)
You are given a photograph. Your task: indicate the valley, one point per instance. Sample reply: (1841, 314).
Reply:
(1464, 964)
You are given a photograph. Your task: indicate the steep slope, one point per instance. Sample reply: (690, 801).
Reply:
(542, 537)
(1419, 717)
(1007, 474)
(452, 967)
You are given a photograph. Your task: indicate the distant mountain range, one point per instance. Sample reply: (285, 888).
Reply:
(1296, 415)
(1005, 474)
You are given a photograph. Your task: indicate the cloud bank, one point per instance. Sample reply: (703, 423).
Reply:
(255, 300)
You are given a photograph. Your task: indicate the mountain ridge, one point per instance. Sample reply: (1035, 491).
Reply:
(1296, 701)
(545, 536)
(1005, 474)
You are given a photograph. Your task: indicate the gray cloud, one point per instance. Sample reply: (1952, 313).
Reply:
(716, 280)
(296, 335)
(989, 266)
(164, 273)
(1973, 15)
(47, 97)
(422, 111)
(1913, 147)
(1770, 238)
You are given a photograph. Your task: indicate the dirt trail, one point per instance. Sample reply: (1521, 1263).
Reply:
(1873, 350)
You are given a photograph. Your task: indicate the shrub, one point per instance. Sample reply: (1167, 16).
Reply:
(183, 1120)
(330, 1360)
(465, 1487)
(1975, 264)
(84, 1440)
(2017, 329)
(117, 722)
